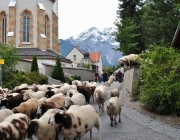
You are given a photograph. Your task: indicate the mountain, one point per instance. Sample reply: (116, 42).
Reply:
(96, 40)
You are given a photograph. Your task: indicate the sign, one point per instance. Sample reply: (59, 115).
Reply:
(1, 61)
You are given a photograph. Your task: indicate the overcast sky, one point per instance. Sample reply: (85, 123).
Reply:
(76, 16)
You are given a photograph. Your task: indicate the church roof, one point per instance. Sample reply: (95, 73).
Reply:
(28, 53)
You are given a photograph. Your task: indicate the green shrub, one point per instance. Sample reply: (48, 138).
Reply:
(34, 65)
(57, 72)
(161, 80)
(15, 78)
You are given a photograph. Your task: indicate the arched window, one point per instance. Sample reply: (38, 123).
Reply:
(4, 24)
(26, 26)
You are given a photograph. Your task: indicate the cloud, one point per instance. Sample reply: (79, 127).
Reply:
(76, 16)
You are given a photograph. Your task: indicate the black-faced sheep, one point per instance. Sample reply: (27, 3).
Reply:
(14, 127)
(5, 113)
(76, 122)
(100, 96)
(41, 129)
(76, 99)
(12, 102)
(114, 92)
(113, 109)
(29, 108)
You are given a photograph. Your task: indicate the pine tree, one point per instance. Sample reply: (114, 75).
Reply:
(34, 65)
(57, 72)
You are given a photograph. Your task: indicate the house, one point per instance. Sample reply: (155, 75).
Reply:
(32, 27)
(176, 39)
(79, 57)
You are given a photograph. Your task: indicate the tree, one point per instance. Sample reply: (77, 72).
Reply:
(57, 72)
(159, 20)
(129, 31)
(10, 55)
(34, 65)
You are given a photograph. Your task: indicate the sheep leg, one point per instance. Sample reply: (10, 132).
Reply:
(103, 107)
(115, 120)
(111, 118)
(99, 109)
(91, 134)
(119, 118)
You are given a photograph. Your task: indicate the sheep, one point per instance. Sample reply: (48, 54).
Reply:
(75, 122)
(53, 102)
(77, 83)
(100, 96)
(110, 80)
(18, 89)
(113, 109)
(29, 108)
(65, 88)
(52, 92)
(12, 102)
(5, 113)
(86, 91)
(41, 129)
(130, 60)
(41, 100)
(76, 99)
(37, 95)
(114, 92)
(14, 127)
(71, 92)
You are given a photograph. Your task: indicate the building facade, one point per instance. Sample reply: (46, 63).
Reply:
(32, 27)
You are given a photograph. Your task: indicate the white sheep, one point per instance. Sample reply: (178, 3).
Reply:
(114, 92)
(14, 127)
(77, 121)
(32, 94)
(65, 88)
(113, 109)
(70, 92)
(41, 100)
(77, 83)
(76, 99)
(5, 113)
(100, 96)
(41, 129)
(130, 60)
(29, 108)
(111, 79)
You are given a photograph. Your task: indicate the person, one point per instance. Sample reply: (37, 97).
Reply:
(119, 74)
(105, 76)
(96, 77)
(99, 77)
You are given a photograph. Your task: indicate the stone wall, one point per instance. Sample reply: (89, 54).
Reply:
(130, 76)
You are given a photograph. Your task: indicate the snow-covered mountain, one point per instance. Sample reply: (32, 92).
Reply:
(98, 40)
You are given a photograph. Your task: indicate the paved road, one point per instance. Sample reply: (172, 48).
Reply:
(133, 126)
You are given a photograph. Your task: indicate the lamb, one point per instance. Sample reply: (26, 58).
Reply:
(12, 102)
(114, 92)
(75, 122)
(5, 113)
(130, 60)
(53, 102)
(41, 129)
(113, 109)
(76, 99)
(14, 127)
(37, 95)
(100, 96)
(29, 108)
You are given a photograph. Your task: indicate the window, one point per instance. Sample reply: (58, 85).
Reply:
(45, 32)
(4, 20)
(26, 23)
(74, 57)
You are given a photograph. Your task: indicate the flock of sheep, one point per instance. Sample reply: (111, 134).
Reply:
(45, 111)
